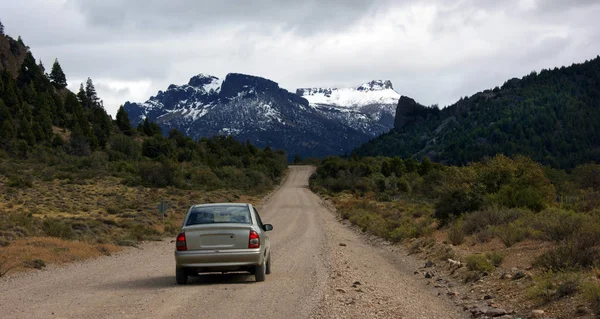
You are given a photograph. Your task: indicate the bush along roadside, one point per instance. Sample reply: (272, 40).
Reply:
(503, 210)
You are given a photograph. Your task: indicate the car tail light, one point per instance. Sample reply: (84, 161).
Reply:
(181, 244)
(254, 240)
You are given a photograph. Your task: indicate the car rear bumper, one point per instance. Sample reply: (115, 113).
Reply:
(219, 258)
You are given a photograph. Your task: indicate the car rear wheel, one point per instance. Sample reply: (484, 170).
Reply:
(260, 271)
(181, 276)
(268, 270)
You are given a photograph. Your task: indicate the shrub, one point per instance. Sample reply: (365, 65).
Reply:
(472, 276)
(123, 146)
(511, 234)
(576, 253)
(495, 257)
(404, 185)
(569, 285)
(558, 225)
(484, 235)
(405, 231)
(113, 210)
(551, 286)
(20, 181)
(458, 202)
(491, 216)
(591, 291)
(203, 176)
(516, 182)
(56, 228)
(156, 146)
(158, 174)
(456, 235)
(479, 263)
(141, 232)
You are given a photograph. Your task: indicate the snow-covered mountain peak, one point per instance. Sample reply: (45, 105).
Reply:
(371, 93)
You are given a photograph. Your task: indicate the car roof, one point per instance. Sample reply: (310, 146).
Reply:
(221, 204)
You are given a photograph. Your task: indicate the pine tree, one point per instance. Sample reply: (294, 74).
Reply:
(151, 129)
(90, 92)
(1, 28)
(82, 97)
(25, 131)
(123, 121)
(57, 76)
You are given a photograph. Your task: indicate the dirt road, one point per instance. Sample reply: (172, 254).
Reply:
(313, 277)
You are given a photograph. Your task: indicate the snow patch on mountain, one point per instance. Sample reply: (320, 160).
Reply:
(349, 99)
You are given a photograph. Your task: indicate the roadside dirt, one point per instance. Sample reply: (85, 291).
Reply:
(321, 269)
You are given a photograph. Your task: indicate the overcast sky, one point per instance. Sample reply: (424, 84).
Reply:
(433, 51)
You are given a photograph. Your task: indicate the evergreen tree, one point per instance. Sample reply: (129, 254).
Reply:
(82, 97)
(1, 28)
(25, 131)
(57, 76)
(90, 92)
(123, 121)
(151, 129)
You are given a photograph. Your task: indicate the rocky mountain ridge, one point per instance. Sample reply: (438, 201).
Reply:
(257, 109)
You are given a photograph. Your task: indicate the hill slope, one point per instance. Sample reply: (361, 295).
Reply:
(552, 117)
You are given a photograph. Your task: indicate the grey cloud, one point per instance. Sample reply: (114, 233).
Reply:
(303, 17)
(118, 93)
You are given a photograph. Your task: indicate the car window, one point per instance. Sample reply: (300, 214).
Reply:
(260, 223)
(218, 215)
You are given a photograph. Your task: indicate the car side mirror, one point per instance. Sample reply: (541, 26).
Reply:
(267, 227)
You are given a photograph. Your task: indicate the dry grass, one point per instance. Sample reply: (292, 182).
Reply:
(50, 251)
(90, 216)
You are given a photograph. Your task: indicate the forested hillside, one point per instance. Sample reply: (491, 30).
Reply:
(552, 117)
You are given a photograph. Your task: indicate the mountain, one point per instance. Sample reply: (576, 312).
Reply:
(552, 117)
(257, 109)
(369, 108)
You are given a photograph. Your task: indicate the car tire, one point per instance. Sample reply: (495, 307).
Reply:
(260, 272)
(181, 276)
(268, 270)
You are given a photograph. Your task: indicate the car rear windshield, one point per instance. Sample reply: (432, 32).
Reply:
(219, 214)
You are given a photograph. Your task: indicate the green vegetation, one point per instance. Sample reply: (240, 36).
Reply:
(479, 263)
(551, 286)
(512, 199)
(551, 117)
(591, 292)
(501, 200)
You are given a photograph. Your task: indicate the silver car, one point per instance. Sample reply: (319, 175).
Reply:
(227, 237)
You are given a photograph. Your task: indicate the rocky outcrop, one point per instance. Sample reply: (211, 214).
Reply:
(410, 112)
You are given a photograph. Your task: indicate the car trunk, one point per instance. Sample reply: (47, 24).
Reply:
(217, 236)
